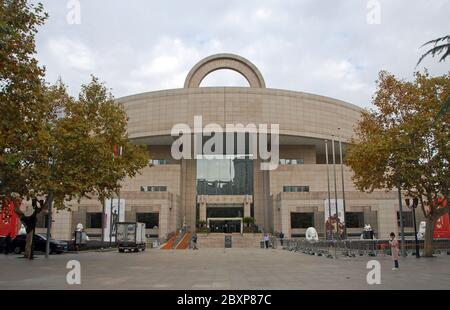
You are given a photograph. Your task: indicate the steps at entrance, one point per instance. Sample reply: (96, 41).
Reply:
(170, 243)
(184, 243)
(216, 240)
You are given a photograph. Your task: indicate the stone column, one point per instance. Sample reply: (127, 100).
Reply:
(247, 206)
(203, 211)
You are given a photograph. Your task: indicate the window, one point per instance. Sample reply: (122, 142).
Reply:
(150, 219)
(407, 219)
(94, 220)
(153, 188)
(354, 219)
(299, 161)
(295, 189)
(224, 210)
(160, 162)
(232, 175)
(302, 220)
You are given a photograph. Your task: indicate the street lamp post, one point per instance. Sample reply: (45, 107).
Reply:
(414, 206)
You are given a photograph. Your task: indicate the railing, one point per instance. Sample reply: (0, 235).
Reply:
(353, 248)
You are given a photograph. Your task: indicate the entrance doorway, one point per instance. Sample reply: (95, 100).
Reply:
(225, 225)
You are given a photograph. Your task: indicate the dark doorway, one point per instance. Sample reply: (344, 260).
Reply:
(225, 226)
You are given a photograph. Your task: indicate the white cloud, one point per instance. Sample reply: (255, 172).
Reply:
(327, 49)
(73, 54)
(342, 72)
(263, 14)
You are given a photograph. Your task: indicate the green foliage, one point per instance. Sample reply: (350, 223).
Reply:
(443, 48)
(248, 220)
(24, 112)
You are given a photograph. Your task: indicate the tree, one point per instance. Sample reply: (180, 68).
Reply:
(405, 143)
(434, 51)
(54, 148)
(443, 48)
(23, 109)
(248, 220)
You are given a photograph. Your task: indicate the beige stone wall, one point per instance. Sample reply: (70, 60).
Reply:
(314, 176)
(305, 152)
(163, 175)
(379, 210)
(297, 113)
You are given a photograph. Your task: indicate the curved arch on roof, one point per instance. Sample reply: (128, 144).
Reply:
(224, 61)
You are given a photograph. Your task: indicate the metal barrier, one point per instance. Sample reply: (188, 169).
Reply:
(354, 248)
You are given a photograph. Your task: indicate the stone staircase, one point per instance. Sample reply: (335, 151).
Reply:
(216, 240)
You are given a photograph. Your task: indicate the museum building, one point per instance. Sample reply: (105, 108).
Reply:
(216, 193)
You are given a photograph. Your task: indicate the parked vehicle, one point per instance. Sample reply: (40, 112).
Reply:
(130, 236)
(39, 241)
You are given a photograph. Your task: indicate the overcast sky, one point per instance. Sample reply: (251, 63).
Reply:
(321, 47)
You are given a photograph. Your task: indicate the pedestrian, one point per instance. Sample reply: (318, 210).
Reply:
(394, 250)
(7, 243)
(281, 238)
(266, 240)
(194, 241)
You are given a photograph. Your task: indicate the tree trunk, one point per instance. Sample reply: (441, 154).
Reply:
(428, 238)
(29, 244)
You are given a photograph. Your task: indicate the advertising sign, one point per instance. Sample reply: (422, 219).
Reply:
(8, 220)
(114, 213)
(442, 227)
(334, 223)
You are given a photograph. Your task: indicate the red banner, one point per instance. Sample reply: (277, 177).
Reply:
(442, 227)
(9, 222)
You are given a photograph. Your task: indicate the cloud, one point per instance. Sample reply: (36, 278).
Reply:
(341, 72)
(72, 54)
(316, 47)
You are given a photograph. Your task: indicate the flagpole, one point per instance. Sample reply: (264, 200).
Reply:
(329, 192)
(335, 188)
(342, 178)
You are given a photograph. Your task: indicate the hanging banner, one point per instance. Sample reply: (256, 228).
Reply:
(8, 220)
(334, 223)
(113, 214)
(442, 227)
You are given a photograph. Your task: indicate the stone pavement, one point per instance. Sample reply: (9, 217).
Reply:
(220, 269)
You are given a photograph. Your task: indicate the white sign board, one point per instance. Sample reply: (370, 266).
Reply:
(333, 222)
(118, 215)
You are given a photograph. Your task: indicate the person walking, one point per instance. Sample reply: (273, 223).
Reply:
(394, 250)
(281, 238)
(194, 242)
(7, 243)
(266, 240)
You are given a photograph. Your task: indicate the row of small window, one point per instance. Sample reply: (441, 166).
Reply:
(151, 219)
(306, 219)
(299, 161)
(153, 188)
(159, 162)
(352, 219)
(295, 189)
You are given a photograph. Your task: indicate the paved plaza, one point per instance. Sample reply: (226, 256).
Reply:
(220, 269)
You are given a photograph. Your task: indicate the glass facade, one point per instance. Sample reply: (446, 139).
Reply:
(229, 175)
(225, 210)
